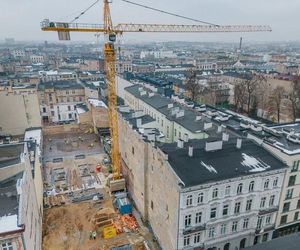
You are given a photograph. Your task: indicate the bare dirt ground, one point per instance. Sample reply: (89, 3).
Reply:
(67, 224)
(68, 227)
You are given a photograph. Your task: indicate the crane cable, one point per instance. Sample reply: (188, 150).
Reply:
(168, 13)
(84, 11)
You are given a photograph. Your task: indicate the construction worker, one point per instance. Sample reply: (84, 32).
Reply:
(91, 235)
(94, 235)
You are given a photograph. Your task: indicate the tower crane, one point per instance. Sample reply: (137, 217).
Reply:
(110, 31)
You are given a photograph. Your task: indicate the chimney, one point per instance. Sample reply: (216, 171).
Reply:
(213, 146)
(180, 143)
(225, 137)
(170, 105)
(180, 114)
(191, 151)
(143, 93)
(151, 94)
(139, 122)
(186, 137)
(198, 117)
(239, 143)
(219, 129)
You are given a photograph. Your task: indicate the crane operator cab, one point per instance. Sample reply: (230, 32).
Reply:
(112, 37)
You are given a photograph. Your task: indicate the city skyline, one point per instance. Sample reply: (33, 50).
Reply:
(280, 16)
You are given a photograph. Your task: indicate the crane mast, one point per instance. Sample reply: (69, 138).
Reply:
(110, 75)
(110, 32)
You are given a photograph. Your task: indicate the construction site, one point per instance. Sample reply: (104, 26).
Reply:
(77, 200)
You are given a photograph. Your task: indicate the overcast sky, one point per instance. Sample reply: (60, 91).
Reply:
(20, 18)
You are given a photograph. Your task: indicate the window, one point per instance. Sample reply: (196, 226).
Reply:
(268, 220)
(239, 188)
(213, 213)
(259, 222)
(59, 118)
(275, 182)
(189, 200)
(52, 113)
(227, 191)
(179, 134)
(44, 110)
(225, 209)
(152, 205)
(296, 216)
(200, 198)
(187, 220)
(289, 194)
(272, 199)
(251, 186)
(132, 150)
(215, 193)
(198, 217)
(223, 229)
(67, 92)
(295, 166)
(211, 232)
(197, 237)
(245, 223)
(70, 116)
(286, 207)
(237, 207)
(51, 106)
(7, 246)
(283, 219)
(234, 226)
(248, 205)
(266, 184)
(186, 240)
(69, 108)
(292, 180)
(262, 202)
(298, 204)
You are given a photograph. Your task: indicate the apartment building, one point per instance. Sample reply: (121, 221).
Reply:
(172, 119)
(37, 59)
(19, 109)
(58, 100)
(283, 141)
(215, 193)
(20, 216)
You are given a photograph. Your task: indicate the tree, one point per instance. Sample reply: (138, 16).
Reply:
(239, 96)
(294, 97)
(275, 101)
(251, 85)
(192, 85)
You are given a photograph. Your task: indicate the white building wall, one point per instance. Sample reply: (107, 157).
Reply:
(230, 199)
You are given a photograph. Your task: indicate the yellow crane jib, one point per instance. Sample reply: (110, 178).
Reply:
(110, 32)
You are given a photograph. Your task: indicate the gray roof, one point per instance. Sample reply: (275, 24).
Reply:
(277, 136)
(289, 242)
(10, 154)
(60, 85)
(229, 162)
(155, 101)
(160, 103)
(8, 196)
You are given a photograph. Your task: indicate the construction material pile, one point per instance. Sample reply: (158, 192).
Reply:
(124, 223)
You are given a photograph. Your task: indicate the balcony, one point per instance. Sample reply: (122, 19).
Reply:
(268, 210)
(267, 228)
(194, 229)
